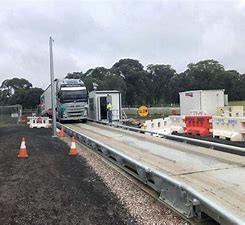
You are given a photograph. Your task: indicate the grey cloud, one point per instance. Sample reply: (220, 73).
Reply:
(98, 33)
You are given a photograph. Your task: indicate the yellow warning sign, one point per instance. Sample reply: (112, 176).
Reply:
(143, 111)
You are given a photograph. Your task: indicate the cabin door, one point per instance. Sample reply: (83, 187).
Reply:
(103, 111)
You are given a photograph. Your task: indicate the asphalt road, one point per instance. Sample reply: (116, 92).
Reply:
(51, 187)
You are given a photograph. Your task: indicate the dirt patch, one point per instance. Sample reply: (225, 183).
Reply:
(51, 187)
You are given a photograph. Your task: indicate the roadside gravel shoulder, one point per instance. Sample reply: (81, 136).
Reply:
(51, 187)
(144, 208)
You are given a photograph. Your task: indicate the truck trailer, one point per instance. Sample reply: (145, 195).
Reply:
(71, 100)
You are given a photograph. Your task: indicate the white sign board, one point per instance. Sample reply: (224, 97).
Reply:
(14, 115)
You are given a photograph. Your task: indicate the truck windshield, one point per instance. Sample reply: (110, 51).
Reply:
(71, 96)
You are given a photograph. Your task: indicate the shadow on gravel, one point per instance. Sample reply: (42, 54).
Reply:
(51, 187)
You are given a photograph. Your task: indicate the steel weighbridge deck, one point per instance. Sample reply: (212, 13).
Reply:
(189, 178)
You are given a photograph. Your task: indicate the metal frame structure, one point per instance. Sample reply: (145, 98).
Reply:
(8, 110)
(181, 197)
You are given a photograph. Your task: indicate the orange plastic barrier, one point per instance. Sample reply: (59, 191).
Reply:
(198, 125)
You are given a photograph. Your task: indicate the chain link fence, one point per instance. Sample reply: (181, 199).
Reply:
(10, 114)
(30, 112)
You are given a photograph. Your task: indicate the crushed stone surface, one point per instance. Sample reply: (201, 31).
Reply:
(51, 187)
(142, 206)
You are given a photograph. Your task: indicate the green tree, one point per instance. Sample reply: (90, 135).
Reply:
(228, 80)
(178, 83)
(124, 65)
(19, 91)
(4, 98)
(95, 75)
(75, 75)
(88, 81)
(98, 73)
(241, 87)
(160, 77)
(14, 84)
(201, 74)
(160, 84)
(28, 98)
(33, 97)
(136, 79)
(114, 82)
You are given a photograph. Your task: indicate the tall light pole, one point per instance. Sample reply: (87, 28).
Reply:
(53, 97)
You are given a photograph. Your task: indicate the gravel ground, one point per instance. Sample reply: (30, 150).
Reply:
(141, 205)
(51, 187)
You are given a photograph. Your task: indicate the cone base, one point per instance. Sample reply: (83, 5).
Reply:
(22, 156)
(73, 152)
(22, 153)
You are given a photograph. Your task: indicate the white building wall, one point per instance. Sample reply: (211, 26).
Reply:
(115, 106)
(206, 101)
(211, 100)
(189, 101)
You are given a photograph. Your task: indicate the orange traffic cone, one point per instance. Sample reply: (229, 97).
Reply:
(61, 133)
(22, 151)
(73, 150)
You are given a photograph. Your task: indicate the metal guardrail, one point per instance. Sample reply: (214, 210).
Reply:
(213, 145)
(180, 196)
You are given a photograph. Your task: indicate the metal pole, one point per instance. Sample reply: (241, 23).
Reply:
(53, 97)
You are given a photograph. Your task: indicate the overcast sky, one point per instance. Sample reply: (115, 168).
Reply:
(99, 33)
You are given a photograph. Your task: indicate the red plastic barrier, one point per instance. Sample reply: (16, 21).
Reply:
(198, 125)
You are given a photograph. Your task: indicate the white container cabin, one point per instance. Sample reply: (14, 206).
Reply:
(203, 101)
(98, 101)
